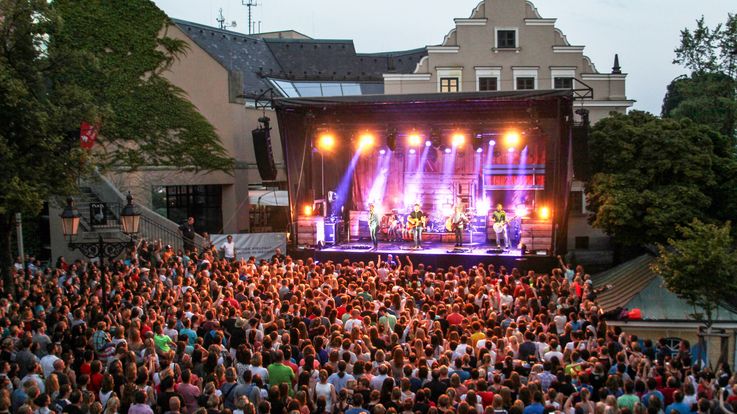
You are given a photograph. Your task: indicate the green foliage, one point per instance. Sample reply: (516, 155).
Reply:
(145, 119)
(708, 49)
(64, 62)
(705, 98)
(700, 267)
(652, 174)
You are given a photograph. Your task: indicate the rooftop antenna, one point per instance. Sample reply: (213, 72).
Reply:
(221, 21)
(250, 4)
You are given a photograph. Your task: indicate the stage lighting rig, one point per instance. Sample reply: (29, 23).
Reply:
(391, 139)
(478, 141)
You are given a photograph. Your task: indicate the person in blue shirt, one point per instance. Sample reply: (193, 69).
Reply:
(340, 379)
(678, 405)
(537, 406)
(652, 391)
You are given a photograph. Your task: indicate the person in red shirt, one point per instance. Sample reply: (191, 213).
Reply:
(455, 317)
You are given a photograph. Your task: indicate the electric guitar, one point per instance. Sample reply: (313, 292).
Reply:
(500, 226)
(413, 222)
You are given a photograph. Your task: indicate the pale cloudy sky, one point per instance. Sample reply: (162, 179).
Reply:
(643, 32)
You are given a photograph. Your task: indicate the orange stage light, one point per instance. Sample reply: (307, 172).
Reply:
(511, 139)
(414, 139)
(308, 210)
(326, 141)
(366, 140)
(544, 213)
(458, 139)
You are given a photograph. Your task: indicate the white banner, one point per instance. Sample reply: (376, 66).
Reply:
(258, 245)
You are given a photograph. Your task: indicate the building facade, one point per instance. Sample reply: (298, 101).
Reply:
(230, 77)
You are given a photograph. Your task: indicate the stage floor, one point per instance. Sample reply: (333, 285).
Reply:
(435, 254)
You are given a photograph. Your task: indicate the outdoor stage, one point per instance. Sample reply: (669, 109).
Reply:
(435, 254)
(453, 153)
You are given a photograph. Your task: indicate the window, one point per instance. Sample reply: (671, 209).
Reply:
(575, 203)
(525, 83)
(448, 84)
(563, 83)
(203, 202)
(506, 39)
(488, 84)
(582, 242)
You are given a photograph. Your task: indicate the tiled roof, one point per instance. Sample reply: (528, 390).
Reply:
(296, 59)
(635, 285)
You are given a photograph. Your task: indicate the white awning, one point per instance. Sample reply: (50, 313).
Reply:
(268, 198)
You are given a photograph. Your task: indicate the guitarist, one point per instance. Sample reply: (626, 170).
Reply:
(373, 223)
(500, 225)
(417, 220)
(458, 222)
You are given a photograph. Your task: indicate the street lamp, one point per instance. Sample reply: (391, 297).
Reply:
(130, 221)
(130, 218)
(70, 219)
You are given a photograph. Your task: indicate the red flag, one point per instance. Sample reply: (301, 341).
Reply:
(87, 135)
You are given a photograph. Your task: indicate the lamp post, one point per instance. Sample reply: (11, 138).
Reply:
(130, 221)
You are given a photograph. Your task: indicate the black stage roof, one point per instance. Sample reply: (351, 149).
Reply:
(457, 97)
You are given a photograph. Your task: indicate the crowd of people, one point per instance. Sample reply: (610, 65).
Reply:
(169, 332)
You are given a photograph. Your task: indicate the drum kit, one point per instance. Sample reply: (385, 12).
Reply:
(393, 225)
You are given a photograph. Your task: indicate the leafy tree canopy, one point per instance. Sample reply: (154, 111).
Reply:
(145, 120)
(652, 174)
(700, 267)
(64, 62)
(707, 98)
(706, 49)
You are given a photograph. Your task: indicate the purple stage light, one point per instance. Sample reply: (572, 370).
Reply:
(412, 151)
(428, 143)
(492, 142)
(479, 150)
(447, 150)
(382, 151)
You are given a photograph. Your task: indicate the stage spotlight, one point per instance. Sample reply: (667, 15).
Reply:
(492, 143)
(366, 140)
(521, 210)
(478, 141)
(510, 149)
(308, 210)
(511, 139)
(483, 206)
(435, 138)
(544, 213)
(391, 139)
(382, 151)
(412, 151)
(414, 139)
(479, 150)
(447, 150)
(428, 143)
(458, 139)
(326, 141)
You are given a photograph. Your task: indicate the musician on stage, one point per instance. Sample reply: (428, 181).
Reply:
(500, 225)
(373, 224)
(458, 223)
(417, 220)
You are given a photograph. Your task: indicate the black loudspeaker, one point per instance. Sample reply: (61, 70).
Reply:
(264, 155)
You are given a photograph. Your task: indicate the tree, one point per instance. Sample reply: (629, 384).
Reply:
(98, 61)
(707, 98)
(700, 267)
(709, 49)
(652, 174)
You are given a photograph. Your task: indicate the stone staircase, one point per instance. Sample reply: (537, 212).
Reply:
(96, 221)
